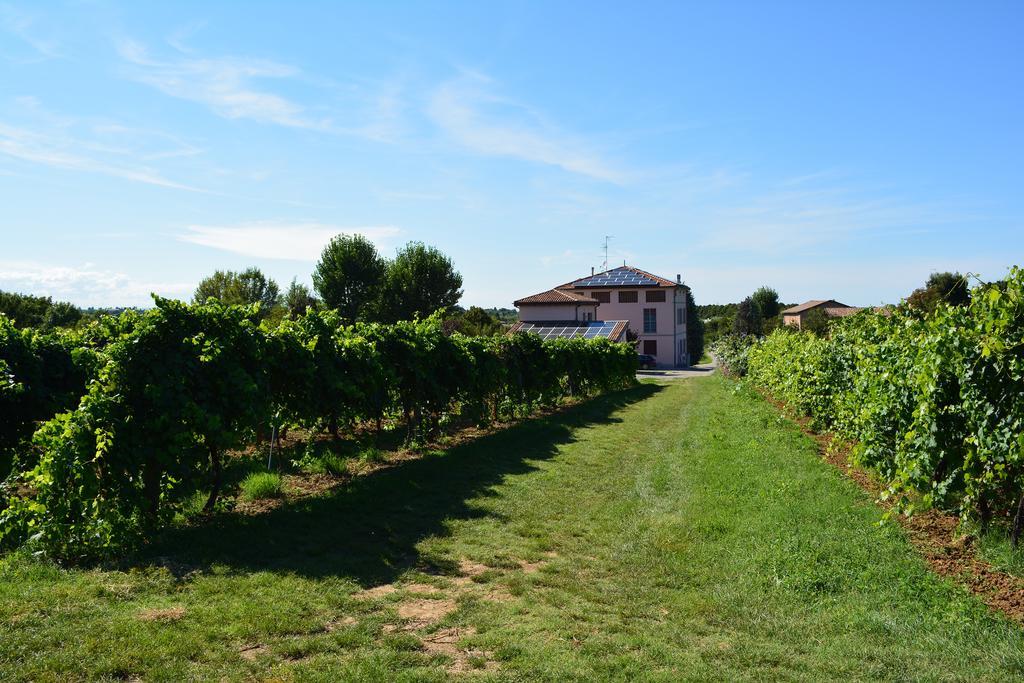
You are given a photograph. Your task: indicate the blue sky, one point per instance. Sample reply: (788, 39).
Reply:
(826, 149)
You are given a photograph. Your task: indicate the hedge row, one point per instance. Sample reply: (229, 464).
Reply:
(176, 388)
(934, 403)
(41, 374)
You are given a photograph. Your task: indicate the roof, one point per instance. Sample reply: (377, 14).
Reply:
(591, 329)
(556, 296)
(623, 276)
(841, 311)
(814, 303)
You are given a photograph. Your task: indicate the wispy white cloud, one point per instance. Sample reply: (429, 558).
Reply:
(269, 240)
(85, 285)
(60, 149)
(25, 27)
(236, 87)
(226, 85)
(800, 220)
(469, 112)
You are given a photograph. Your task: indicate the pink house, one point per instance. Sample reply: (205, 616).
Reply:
(651, 307)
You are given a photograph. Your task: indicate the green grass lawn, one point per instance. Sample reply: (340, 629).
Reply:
(673, 532)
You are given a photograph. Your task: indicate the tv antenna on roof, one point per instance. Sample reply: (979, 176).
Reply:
(604, 266)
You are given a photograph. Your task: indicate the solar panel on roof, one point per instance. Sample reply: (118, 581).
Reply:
(616, 278)
(589, 330)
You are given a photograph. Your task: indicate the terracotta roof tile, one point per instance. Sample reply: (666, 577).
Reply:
(842, 311)
(814, 303)
(556, 296)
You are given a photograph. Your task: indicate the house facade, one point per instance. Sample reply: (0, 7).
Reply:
(796, 315)
(652, 307)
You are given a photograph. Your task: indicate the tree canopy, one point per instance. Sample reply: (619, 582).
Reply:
(694, 329)
(767, 301)
(250, 286)
(419, 281)
(748, 318)
(949, 287)
(349, 277)
(476, 322)
(28, 310)
(298, 299)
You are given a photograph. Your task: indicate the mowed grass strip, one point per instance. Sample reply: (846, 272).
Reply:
(676, 532)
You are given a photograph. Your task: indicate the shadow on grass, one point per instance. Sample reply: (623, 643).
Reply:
(368, 529)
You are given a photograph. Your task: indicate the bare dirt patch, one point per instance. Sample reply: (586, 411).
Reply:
(933, 533)
(422, 612)
(251, 652)
(377, 591)
(499, 594)
(464, 660)
(470, 568)
(165, 614)
(531, 567)
(344, 622)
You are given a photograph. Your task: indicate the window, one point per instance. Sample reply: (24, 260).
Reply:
(651, 347)
(627, 297)
(679, 316)
(656, 297)
(650, 320)
(588, 316)
(603, 297)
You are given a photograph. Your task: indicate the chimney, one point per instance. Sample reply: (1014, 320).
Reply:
(679, 279)
(591, 270)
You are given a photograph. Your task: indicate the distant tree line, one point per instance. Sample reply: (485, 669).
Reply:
(761, 312)
(26, 310)
(354, 279)
(351, 277)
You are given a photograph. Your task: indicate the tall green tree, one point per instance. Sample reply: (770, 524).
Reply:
(948, 287)
(349, 277)
(767, 301)
(748, 318)
(694, 329)
(298, 299)
(250, 286)
(475, 322)
(419, 281)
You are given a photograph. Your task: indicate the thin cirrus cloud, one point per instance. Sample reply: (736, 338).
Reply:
(470, 114)
(60, 149)
(803, 221)
(287, 241)
(25, 27)
(226, 85)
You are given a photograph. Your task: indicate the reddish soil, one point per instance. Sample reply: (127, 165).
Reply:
(933, 533)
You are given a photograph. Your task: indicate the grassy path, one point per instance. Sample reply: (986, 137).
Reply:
(678, 532)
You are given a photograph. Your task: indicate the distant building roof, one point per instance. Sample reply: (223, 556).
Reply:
(841, 311)
(814, 303)
(556, 296)
(623, 276)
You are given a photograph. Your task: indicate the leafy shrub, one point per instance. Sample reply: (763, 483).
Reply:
(933, 402)
(40, 375)
(731, 351)
(262, 485)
